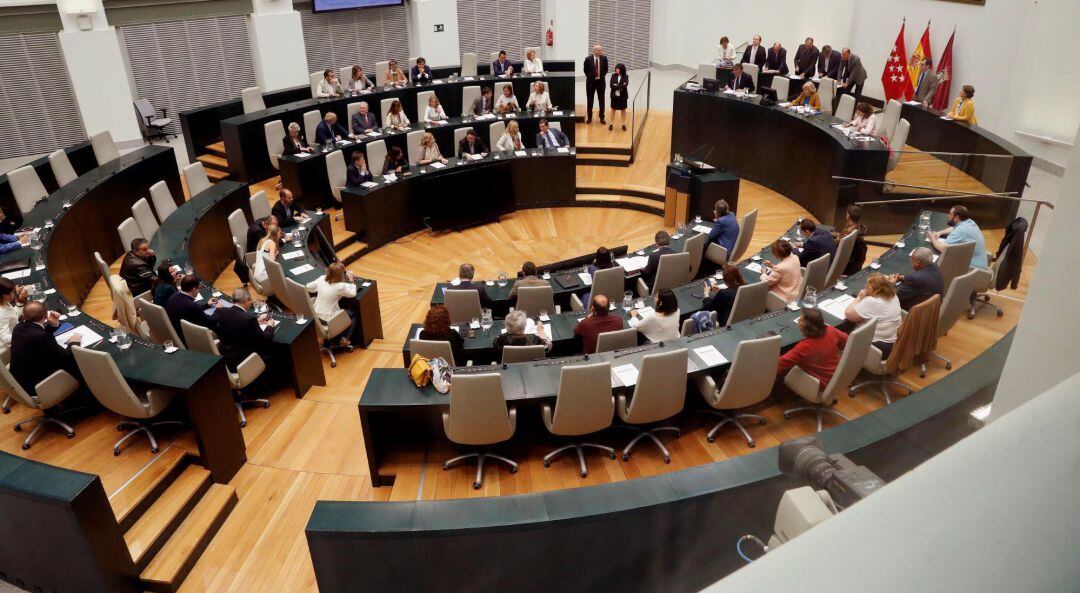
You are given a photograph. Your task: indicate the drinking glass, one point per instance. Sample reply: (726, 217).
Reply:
(188, 269)
(841, 284)
(168, 344)
(810, 298)
(475, 323)
(485, 319)
(627, 300)
(300, 318)
(72, 310)
(543, 314)
(123, 340)
(502, 278)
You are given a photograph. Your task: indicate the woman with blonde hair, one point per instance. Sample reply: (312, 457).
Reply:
(533, 65)
(539, 100)
(329, 291)
(268, 248)
(434, 112)
(878, 300)
(396, 117)
(429, 150)
(808, 97)
(511, 138)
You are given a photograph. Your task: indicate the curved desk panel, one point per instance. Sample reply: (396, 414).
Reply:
(82, 160)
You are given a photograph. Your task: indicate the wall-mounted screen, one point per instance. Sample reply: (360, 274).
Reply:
(328, 5)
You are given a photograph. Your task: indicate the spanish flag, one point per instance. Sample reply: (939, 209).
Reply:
(922, 50)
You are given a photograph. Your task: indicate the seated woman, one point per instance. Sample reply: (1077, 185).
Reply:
(395, 161)
(168, 276)
(818, 353)
(295, 142)
(12, 299)
(396, 116)
(437, 328)
(865, 119)
(434, 111)
(878, 300)
(808, 97)
(533, 65)
(721, 300)
(964, 106)
(662, 323)
(511, 138)
(507, 103)
(853, 224)
(358, 82)
(539, 99)
(357, 173)
(395, 75)
(601, 261)
(785, 277)
(329, 290)
(429, 150)
(516, 325)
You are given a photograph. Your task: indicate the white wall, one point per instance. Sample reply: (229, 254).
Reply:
(439, 49)
(571, 29)
(277, 50)
(100, 80)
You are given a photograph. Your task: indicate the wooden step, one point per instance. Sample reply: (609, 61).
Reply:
(213, 161)
(217, 148)
(216, 175)
(159, 522)
(629, 202)
(620, 189)
(607, 160)
(137, 495)
(352, 252)
(171, 565)
(602, 148)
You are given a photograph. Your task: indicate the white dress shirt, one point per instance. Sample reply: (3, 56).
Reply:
(9, 318)
(434, 113)
(360, 85)
(753, 52)
(326, 89)
(327, 296)
(534, 65)
(539, 102)
(399, 121)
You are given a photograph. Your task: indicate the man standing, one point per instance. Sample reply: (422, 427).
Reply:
(776, 60)
(828, 63)
(806, 58)
(595, 323)
(138, 266)
(755, 54)
(927, 84)
(852, 75)
(921, 284)
(596, 68)
(550, 137)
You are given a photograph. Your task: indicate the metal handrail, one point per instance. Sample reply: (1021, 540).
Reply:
(635, 131)
(909, 186)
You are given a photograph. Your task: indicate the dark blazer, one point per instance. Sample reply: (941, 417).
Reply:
(323, 132)
(560, 139)
(721, 302)
(776, 60)
(852, 71)
(745, 81)
(806, 59)
(919, 286)
(590, 68)
(416, 75)
(508, 340)
(290, 146)
(499, 68)
(829, 67)
(389, 164)
(35, 355)
(354, 176)
(457, 343)
(362, 123)
(478, 106)
(725, 231)
(819, 244)
(485, 300)
(284, 215)
(649, 273)
(255, 233)
(759, 57)
(183, 307)
(619, 83)
(138, 272)
(241, 335)
(478, 146)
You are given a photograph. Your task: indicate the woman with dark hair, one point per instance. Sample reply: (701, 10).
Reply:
(865, 119)
(720, 299)
(619, 84)
(661, 323)
(601, 261)
(165, 286)
(853, 224)
(437, 327)
(818, 353)
(784, 277)
(395, 116)
(395, 161)
(12, 299)
(964, 106)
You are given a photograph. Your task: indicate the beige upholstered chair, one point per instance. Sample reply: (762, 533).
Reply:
(695, 246)
(746, 232)
(782, 86)
(750, 301)
(201, 339)
(197, 181)
(687, 328)
(275, 274)
(706, 71)
(826, 92)
(421, 103)
(610, 282)
(463, 305)
(109, 387)
(749, 382)
(336, 173)
(49, 393)
(376, 156)
(61, 168)
(495, 131)
(885, 371)
(103, 266)
(533, 299)
(144, 217)
(673, 270)
(955, 260)
(350, 110)
(384, 109)
(468, 95)
(432, 349)
(157, 320)
(845, 109)
(985, 280)
(252, 99)
(899, 140)
(815, 275)
(129, 231)
(124, 307)
(314, 78)
(616, 340)
(659, 394)
(584, 405)
(338, 324)
(957, 295)
(511, 354)
(459, 135)
(479, 416)
(810, 389)
(412, 144)
(380, 72)
(311, 121)
(104, 148)
(238, 225)
(716, 254)
(468, 64)
(751, 69)
(843, 254)
(260, 205)
(888, 119)
(249, 262)
(27, 188)
(274, 131)
(162, 199)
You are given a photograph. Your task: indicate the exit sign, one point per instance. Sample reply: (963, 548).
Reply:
(440, 28)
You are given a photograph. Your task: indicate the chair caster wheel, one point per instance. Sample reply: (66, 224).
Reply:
(6, 410)
(154, 450)
(547, 464)
(476, 485)
(116, 452)
(25, 446)
(243, 425)
(584, 474)
(119, 428)
(711, 439)
(752, 444)
(18, 428)
(266, 405)
(948, 366)
(667, 459)
(999, 314)
(971, 316)
(513, 470)
(333, 365)
(611, 455)
(626, 457)
(445, 467)
(71, 435)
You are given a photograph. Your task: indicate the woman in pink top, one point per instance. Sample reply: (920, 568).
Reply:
(783, 278)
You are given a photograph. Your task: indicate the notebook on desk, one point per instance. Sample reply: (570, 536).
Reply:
(567, 280)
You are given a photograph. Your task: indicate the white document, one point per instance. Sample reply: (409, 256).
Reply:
(633, 263)
(520, 153)
(563, 150)
(624, 374)
(710, 355)
(832, 308)
(476, 157)
(785, 104)
(470, 78)
(438, 81)
(369, 184)
(794, 76)
(913, 102)
(437, 165)
(373, 134)
(586, 278)
(509, 115)
(753, 267)
(557, 113)
(303, 155)
(365, 284)
(442, 122)
(292, 255)
(300, 270)
(89, 336)
(703, 229)
(17, 274)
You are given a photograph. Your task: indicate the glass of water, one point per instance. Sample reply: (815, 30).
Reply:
(123, 340)
(168, 344)
(543, 314)
(485, 319)
(502, 278)
(627, 300)
(810, 298)
(72, 310)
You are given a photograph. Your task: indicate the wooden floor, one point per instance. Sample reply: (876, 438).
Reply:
(301, 451)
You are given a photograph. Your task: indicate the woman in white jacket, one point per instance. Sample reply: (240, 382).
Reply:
(11, 301)
(511, 138)
(329, 290)
(662, 323)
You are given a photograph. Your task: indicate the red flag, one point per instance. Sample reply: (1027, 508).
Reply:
(944, 73)
(894, 78)
(922, 50)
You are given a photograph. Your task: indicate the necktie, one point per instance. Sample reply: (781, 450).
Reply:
(596, 67)
(551, 139)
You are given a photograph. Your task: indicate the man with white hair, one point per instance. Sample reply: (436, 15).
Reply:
(596, 68)
(363, 121)
(921, 284)
(516, 325)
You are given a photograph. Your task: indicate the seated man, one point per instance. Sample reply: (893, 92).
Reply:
(528, 278)
(421, 72)
(257, 231)
(550, 137)
(914, 288)
(329, 130)
(12, 242)
(819, 242)
(484, 104)
(725, 228)
(962, 230)
(363, 121)
(471, 144)
(241, 333)
(502, 66)
(138, 266)
(182, 307)
(663, 240)
(35, 353)
(741, 80)
(595, 323)
(465, 282)
(287, 211)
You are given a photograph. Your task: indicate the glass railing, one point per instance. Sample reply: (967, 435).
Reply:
(916, 172)
(640, 102)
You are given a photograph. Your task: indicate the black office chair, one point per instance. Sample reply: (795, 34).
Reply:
(152, 124)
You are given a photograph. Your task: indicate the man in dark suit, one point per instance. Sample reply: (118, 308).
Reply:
(138, 266)
(819, 242)
(502, 66)
(663, 242)
(241, 333)
(35, 353)
(471, 144)
(828, 63)
(485, 103)
(466, 272)
(286, 210)
(329, 130)
(595, 81)
(754, 54)
(741, 80)
(927, 83)
(921, 284)
(852, 75)
(776, 59)
(806, 58)
(421, 72)
(182, 306)
(257, 231)
(363, 120)
(550, 137)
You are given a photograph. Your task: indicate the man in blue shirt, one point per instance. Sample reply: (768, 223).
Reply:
(962, 230)
(726, 229)
(12, 242)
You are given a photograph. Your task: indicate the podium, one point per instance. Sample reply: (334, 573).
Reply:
(693, 190)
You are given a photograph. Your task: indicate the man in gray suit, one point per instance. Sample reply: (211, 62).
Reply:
(927, 83)
(852, 75)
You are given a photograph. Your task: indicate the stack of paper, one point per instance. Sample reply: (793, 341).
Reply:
(437, 165)
(369, 184)
(625, 375)
(710, 355)
(586, 278)
(753, 267)
(633, 263)
(89, 336)
(300, 270)
(292, 255)
(837, 306)
(17, 274)
(562, 149)
(520, 153)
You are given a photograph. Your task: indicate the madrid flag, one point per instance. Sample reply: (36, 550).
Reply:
(894, 79)
(944, 69)
(922, 50)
